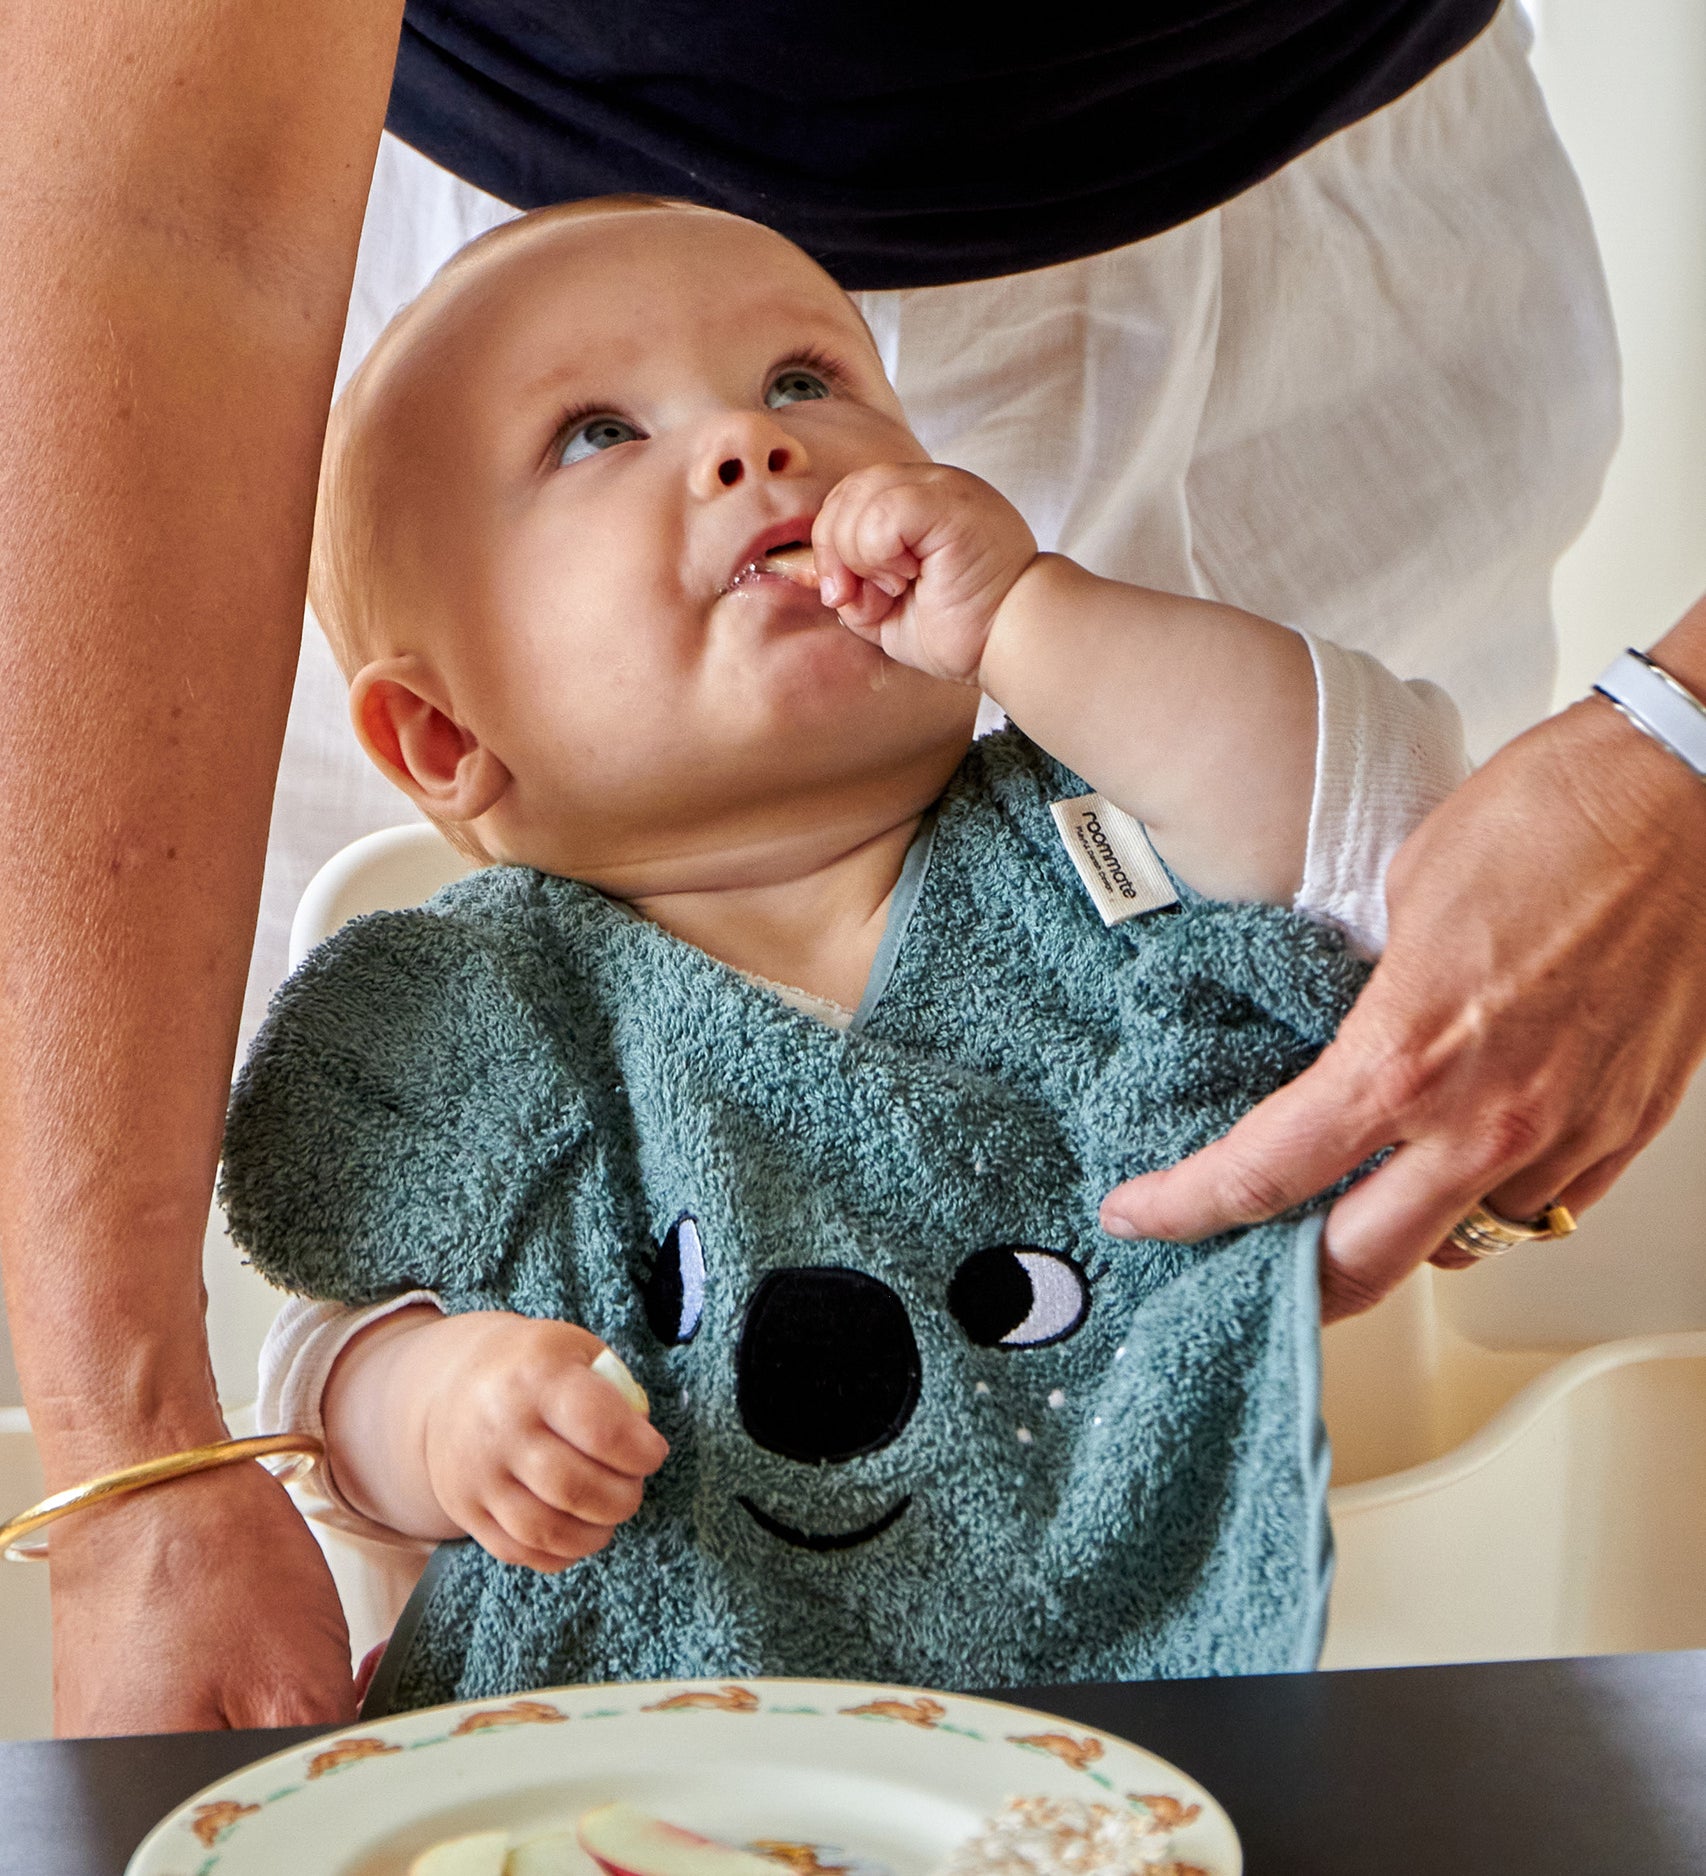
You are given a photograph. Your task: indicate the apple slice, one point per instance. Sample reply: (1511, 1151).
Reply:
(609, 1366)
(798, 564)
(556, 1853)
(624, 1841)
(482, 1853)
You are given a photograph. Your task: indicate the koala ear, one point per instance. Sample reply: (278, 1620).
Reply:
(396, 1112)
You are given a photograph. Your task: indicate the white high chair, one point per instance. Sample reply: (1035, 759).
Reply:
(383, 872)
(1520, 1450)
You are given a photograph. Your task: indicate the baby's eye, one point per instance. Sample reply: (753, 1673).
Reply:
(796, 385)
(595, 433)
(1018, 1296)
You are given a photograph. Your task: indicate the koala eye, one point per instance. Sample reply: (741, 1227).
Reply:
(674, 1289)
(1015, 1296)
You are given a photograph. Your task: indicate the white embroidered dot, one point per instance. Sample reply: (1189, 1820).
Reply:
(1058, 1397)
(684, 1397)
(1022, 1435)
(1095, 1420)
(1119, 1353)
(981, 1388)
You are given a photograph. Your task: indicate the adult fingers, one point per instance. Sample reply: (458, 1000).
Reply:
(1285, 1150)
(1578, 1196)
(1372, 1232)
(1403, 1213)
(1390, 1222)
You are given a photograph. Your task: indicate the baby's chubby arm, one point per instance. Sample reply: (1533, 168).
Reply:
(1197, 718)
(489, 1424)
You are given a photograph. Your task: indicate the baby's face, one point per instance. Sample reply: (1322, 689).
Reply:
(584, 449)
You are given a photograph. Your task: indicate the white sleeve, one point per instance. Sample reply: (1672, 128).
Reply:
(1387, 752)
(304, 1341)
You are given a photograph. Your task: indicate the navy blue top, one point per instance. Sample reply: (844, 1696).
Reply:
(907, 142)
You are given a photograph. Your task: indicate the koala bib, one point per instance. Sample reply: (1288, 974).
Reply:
(928, 1423)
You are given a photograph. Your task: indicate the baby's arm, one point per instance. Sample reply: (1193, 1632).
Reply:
(489, 1424)
(1197, 718)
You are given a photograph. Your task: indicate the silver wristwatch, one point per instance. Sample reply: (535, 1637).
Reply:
(1657, 705)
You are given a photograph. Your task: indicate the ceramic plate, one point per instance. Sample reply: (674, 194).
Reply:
(834, 1776)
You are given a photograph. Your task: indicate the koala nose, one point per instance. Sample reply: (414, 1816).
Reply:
(827, 1367)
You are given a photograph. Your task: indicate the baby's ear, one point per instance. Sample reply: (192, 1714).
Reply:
(401, 714)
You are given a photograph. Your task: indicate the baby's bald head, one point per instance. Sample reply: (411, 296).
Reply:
(363, 531)
(358, 514)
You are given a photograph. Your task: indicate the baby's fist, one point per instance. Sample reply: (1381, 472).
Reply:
(532, 1447)
(917, 558)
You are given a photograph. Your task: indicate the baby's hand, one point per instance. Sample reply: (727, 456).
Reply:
(526, 1449)
(917, 558)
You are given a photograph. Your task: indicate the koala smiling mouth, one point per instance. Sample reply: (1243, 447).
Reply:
(824, 1540)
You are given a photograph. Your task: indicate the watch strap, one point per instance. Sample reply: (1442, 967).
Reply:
(1658, 705)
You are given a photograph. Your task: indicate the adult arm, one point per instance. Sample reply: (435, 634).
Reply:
(1534, 1022)
(181, 192)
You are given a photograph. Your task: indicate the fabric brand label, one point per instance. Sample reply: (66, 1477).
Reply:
(1119, 868)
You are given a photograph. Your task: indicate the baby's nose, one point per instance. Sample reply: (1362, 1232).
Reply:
(827, 1366)
(733, 469)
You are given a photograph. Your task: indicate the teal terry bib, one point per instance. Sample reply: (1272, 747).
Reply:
(928, 1423)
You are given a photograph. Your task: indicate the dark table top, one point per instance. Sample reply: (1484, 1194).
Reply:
(1535, 1768)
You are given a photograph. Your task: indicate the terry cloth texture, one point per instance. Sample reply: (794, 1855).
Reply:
(928, 1423)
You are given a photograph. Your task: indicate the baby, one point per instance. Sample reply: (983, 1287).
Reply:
(792, 1037)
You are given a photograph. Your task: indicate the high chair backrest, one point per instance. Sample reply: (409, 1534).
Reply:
(383, 872)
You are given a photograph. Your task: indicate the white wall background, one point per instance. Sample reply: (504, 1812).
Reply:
(1626, 82)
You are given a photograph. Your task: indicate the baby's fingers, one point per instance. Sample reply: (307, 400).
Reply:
(864, 537)
(516, 1526)
(864, 611)
(861, 604)
(567, 1480)
(586, 1411)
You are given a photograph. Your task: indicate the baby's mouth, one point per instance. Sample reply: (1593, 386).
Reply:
(791, 562)
(824, 1540)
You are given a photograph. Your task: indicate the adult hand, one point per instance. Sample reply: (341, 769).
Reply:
(198, 1605)
(1534, 1022)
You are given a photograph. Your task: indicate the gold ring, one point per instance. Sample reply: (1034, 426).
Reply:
(1487, 1233)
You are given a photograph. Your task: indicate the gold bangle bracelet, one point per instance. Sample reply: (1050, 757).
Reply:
(300, 1449)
